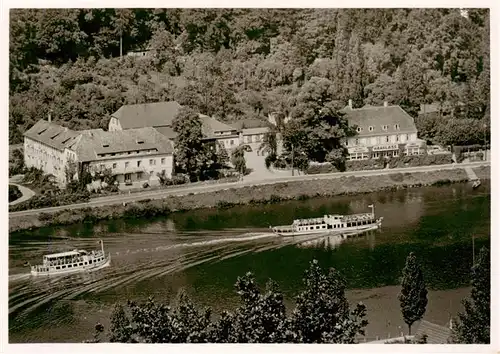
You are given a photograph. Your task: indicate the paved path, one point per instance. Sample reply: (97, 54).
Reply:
(185, 190)
(471, 174)
(27, 193)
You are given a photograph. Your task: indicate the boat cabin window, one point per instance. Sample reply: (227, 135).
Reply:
(70, 265)
(80, 264)
(58, 267)
(90, 261)
(63, 267)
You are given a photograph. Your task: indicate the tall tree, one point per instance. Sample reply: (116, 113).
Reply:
(473, 326)
(413, 295)
(238, 160)
(318, 128)
(322, 313)
(188, 142)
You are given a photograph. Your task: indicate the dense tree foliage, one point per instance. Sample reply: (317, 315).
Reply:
(473, 326)
(238, 160)
(194, 156)
(413, 295)
(235, 63)
(322, 315)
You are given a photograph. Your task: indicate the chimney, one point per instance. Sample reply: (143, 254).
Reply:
(386, 104)
(350, 103)
(50, 117)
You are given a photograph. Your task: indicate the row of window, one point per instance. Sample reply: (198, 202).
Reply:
(376, 155)
(229, 142)
(152, 162)
(42, 152)
(136, 152)
(335, 226)
(384, 127)
(381, 139)
(46, 269)
(253, 138)
(128, 176)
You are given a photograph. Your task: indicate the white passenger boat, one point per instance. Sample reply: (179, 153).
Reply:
(72, 262)
(339, 224)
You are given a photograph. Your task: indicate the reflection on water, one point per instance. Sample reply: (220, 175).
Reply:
(205, 251)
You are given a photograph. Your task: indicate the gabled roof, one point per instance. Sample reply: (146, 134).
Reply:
(436, 334)
(251, 131)
(96, 142)
(210, 126)
(378, 118)
(52, 134)
(157, 114)
(249, 123)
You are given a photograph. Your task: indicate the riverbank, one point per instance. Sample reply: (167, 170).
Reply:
(259, 194)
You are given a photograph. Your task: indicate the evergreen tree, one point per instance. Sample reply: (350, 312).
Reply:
(413, 295)
(473, 326)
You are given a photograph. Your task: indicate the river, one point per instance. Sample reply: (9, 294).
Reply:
(205, 251)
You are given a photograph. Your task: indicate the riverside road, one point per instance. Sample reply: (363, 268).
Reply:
(185, 190)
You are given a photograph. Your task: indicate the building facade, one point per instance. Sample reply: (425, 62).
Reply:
(160, 116)
(253, 137)
(47, 146)
(386, 131)
(134, 156)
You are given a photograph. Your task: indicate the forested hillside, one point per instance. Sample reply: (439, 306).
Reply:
(244, 63)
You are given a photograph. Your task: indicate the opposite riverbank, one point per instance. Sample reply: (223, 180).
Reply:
(259, 194)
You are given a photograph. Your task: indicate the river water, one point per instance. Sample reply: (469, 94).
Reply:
(205, 251)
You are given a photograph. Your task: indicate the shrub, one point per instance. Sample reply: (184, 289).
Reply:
(361, 165)
(270, 159)
(275, 199)
(52, 199)
(280, 162)
(397, 177)
(222, 204)
(14, 193)
(419, 160)
(323, 168)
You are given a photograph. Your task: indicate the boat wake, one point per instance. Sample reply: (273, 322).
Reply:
(131, 263)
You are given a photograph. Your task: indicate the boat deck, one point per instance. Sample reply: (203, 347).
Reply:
(358, 217)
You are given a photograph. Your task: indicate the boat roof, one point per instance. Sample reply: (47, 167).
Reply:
(63, 254)
(357, 217)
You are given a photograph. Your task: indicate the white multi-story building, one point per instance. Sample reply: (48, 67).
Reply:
(134, 156)
(47, 147)
(385, 131)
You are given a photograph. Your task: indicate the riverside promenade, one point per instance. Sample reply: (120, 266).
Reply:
(186, 189)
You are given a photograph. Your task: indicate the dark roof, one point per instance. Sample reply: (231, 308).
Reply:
(97, 141)
(157, 114)
(436, 334)
(378, 117)
(52, 134)
(210, 126)
(167, 131)
(252, 131)
(249, 123)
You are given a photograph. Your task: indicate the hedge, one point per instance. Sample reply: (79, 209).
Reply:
(14, 193)
(419, 160)
(362, 165)
(51, 200)
(378, 164)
